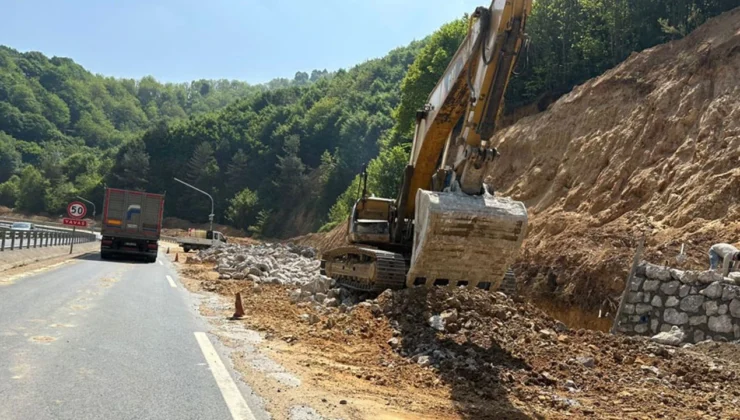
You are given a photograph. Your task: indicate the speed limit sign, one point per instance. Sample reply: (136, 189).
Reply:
(76, 210)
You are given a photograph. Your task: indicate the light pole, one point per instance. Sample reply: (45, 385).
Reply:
(93, 204)
(210, 216)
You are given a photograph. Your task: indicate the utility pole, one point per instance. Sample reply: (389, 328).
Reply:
(210, 216)
(93, 204)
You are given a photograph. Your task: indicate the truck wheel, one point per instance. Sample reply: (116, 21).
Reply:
(186, 248)
(104, 255)
(151, 259)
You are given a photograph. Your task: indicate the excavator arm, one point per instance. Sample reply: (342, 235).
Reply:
(472, 87)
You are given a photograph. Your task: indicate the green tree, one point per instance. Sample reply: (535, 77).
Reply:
(237, 171)
(10, 158)
(202, 166)
(290, 170)
(9, 191)
(31, 191)
(241, 208)
(423, 75)
(131, 167)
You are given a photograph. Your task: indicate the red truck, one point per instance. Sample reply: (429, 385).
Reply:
(132, 222)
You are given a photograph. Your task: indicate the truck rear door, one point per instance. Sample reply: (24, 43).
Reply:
(133, 213)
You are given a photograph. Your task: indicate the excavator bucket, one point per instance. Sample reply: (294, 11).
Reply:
(464, 241)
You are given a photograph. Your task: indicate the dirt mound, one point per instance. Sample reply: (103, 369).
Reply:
(326, 240)
(473, 354)
(651, 146)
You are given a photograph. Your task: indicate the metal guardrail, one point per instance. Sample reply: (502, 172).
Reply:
(7, 221)
(11, 240)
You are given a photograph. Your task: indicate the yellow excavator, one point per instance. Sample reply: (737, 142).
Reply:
(446, 227)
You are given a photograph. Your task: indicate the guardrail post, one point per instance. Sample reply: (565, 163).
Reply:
(56, 238)
(2, 241)
(20, 245)
(35, 238)
(12, 240)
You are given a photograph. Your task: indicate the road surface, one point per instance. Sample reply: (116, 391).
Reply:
(92, 339)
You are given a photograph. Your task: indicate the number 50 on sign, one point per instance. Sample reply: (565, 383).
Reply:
(76, 209)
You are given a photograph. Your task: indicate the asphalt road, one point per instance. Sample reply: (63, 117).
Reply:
(94, 339)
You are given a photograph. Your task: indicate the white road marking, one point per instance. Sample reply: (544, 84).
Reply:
(233, 398)
(160, 262)
(172, 282)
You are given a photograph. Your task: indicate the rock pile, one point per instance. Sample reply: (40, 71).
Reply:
(286, 264)
(704, 305)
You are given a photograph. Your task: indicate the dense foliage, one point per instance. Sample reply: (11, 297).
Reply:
(571, 41)
(275, 161)
(282, 158)
(69, 124)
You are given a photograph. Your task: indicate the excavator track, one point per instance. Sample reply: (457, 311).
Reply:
(365, 269)
(373, 270)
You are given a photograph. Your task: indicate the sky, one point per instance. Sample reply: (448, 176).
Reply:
(250, 40)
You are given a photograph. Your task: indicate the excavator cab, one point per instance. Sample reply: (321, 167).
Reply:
(370, 221)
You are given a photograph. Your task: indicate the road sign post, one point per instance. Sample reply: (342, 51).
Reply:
(76, 211)
(72, 242)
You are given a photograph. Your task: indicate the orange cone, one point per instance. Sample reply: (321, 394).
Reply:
(239, 309)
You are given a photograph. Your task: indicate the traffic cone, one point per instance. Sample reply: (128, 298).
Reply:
(168, 250)
(239, 309)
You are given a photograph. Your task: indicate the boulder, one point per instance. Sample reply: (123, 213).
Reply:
(730, 292)
(720, 324)
(709, 276)
(692, 303)
(710, 307)
(688, 277)
(449, 316)
(677, 274)
(698, 320)
(674, 337)
(735, 308)
(643, 308)
(650, 285)
(657, 272)
(713, 291)
(675, 317)
(634, 297)
(670, 288)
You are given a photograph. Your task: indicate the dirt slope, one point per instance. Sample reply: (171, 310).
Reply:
(487, 358)
(650, 146)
